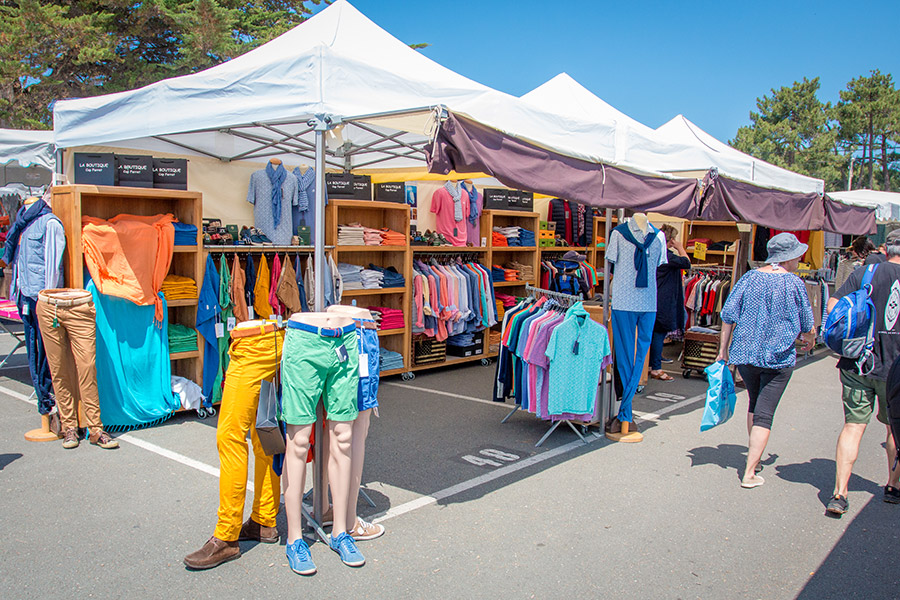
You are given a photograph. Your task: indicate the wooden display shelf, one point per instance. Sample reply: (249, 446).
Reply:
(390, 372)
(454, 360)
(389, 332)
(378, 292)
(73, 202)
(564, 248)
(510, 283)
(184, 302)
(228, 248)
(371, 248)
(450, 249)
(513, 248)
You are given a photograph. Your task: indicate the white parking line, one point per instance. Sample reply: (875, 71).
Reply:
(422, 501)
(406, 386)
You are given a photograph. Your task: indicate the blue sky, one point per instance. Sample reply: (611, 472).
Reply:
(653, 60)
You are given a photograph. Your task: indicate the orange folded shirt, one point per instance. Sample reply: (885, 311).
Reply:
(128, 256)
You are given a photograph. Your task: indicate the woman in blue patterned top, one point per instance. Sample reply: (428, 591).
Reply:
(761, 319)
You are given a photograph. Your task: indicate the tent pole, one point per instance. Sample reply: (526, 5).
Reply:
(319, 492)
(607, 389)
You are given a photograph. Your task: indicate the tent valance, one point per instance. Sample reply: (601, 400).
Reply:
(464, 145)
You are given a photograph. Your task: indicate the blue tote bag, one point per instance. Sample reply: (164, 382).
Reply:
(720, 397)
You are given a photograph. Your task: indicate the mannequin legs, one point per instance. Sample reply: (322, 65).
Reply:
(357, 460)
(340, 434)
(632, 332)
(294, 477)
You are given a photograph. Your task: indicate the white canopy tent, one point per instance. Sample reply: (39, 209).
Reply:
(678, 147)
(886, 204)
(27, 147)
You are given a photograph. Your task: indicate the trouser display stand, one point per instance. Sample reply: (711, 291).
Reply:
(632, 333)
(255, 356)
(67, 319)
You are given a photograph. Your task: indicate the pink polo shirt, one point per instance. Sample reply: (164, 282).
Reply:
(442, 207)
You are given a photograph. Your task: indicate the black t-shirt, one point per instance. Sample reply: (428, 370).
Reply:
(875, 258)
(886, 298)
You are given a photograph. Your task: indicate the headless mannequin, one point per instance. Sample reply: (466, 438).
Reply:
(641, 221)
(297, 447)
(303, 168)
(275, 161)
(360, 428)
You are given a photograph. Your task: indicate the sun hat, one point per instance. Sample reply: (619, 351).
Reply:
(784, 247)
(893, 238)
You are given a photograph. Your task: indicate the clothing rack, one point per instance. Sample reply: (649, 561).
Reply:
(564, 301)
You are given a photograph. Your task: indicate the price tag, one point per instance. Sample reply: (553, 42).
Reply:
(25, 310)
(280, 321)
(252, 312)
(342, 354)
(271, 317)
(699, 250)
(230, 323)
(220, 330)
(364, 365)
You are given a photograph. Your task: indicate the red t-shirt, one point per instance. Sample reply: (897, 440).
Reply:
(442, 207)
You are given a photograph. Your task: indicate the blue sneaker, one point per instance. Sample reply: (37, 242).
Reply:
(346, 548)
(299, 558)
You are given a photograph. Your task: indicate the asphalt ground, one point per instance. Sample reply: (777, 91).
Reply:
(665, 518)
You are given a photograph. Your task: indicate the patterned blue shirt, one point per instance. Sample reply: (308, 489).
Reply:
(619, 251)
(769, 311)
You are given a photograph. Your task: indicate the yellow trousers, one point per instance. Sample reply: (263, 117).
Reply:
(254, 358)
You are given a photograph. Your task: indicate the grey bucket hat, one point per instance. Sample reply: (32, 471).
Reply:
(784, 247)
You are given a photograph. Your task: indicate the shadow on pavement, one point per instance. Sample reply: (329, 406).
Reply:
(819, 473)
(727, 456)
(6, 459)
(863, 562)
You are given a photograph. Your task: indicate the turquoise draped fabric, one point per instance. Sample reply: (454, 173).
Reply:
(133, 367)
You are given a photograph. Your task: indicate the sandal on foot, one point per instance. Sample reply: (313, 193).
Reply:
(662, 376)
(753, 482)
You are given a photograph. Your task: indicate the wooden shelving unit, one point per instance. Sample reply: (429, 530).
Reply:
(377, 215)
(72, 202)
(717, 231)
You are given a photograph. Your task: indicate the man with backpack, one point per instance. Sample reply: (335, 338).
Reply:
(864, 380)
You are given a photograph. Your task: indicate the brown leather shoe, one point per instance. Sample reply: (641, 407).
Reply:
(213, 553)
(254, 532)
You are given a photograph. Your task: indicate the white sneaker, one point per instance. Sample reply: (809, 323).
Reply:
(366, 531)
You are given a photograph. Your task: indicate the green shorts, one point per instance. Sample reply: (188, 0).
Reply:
(859, 395)
(311, 368)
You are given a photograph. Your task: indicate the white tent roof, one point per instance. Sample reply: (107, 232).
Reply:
(679, 146)
(886, 204)
(339, 63)
(27, 147)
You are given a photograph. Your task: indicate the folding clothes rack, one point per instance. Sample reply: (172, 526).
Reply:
(565, 300)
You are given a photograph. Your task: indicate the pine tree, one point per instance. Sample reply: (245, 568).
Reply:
(55, 49)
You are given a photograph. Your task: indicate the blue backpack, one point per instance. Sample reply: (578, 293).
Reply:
(850, 328)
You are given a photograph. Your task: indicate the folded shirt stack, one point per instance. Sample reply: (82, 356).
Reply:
(505, 274)
(392, 238)
(388, 318)
(498, 239)
(371, 280)
(185, 234)
(176, 287)
(392, 278)
(181, 338)
(390, 360)
(351, 276)
(505, 299)
(371, 236)
(351, 235)
(526, 272)
(461, 340)
(526, 238)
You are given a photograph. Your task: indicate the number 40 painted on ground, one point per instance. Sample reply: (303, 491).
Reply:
(491, 458)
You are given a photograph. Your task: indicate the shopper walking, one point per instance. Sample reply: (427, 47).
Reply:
(761, 319)
(669, 300)
(860, 392)
(856, 254)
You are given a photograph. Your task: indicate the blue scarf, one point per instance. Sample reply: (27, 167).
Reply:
(276, 178)
(473, 203)
(25, 217)
(641, 252)
(306, 181)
